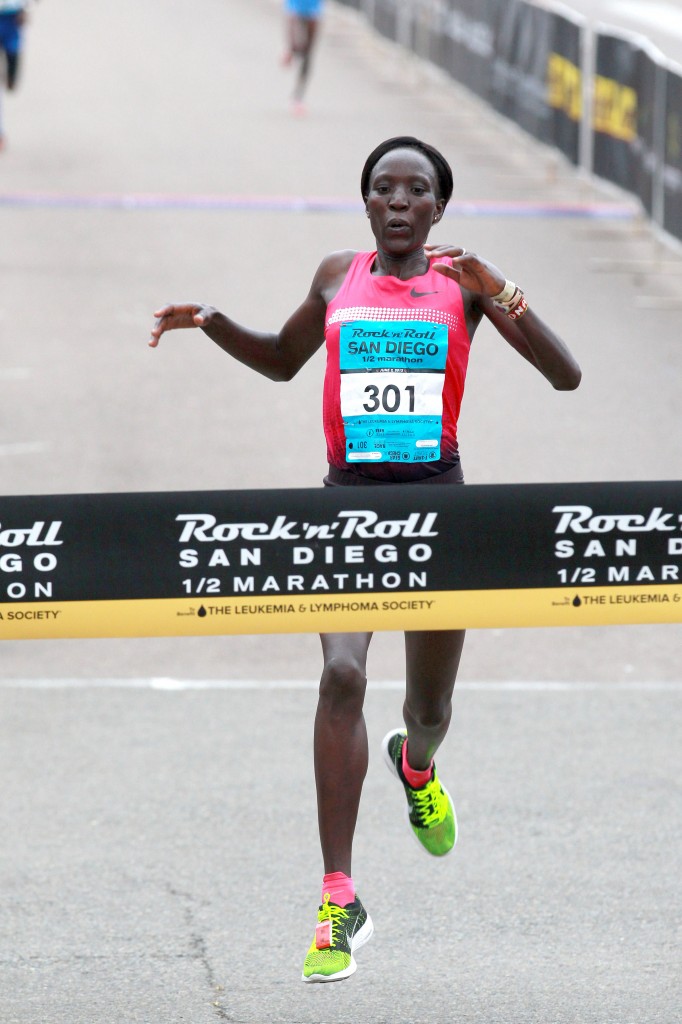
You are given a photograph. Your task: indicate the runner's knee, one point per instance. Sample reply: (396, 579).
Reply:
(343, 682)
(12, 70)
(428, 712)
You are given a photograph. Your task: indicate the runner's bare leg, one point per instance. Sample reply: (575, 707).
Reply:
(340, 744)
(432, 660)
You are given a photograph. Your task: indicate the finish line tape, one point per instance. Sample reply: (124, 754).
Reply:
(340, 559)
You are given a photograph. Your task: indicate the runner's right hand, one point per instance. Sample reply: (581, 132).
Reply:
(170, 318)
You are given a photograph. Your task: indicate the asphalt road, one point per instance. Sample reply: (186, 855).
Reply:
(159, 853)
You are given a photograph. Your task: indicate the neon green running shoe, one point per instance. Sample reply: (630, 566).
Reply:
(340, 931)
(429, 810)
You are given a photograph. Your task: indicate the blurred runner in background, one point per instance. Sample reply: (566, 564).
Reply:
(12, 20)
(302, 24)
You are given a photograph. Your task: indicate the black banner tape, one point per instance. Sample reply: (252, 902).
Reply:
(340, 559)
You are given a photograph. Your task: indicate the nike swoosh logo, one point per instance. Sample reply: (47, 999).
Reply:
(350, 933)
(419, 295)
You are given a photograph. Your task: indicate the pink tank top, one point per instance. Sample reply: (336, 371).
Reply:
(397, 355)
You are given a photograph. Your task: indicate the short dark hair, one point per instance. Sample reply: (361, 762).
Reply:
(440, 164)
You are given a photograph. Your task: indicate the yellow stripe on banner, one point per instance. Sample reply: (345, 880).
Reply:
(472, 609)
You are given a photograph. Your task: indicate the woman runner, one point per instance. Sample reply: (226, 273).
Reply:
(406, 185)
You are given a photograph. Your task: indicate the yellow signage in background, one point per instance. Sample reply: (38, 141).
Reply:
(564, 86)
(615, 109)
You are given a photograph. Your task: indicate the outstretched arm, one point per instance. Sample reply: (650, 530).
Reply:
(528, 334)
(277, 356)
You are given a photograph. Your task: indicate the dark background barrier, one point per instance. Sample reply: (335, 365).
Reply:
(523, 59)
(458, 36)
(527, 61)
(624, 122)
(463, 44)
(672, 179)
(565, 86)
(385, 18)
(536, 79)
(522, 48)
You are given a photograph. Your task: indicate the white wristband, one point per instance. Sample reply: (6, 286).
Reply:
(506, 295)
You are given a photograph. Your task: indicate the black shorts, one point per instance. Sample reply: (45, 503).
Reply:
(342, 478)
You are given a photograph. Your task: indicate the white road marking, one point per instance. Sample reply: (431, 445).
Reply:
(23, 448)
(14, 373)
(182, 685)
(658, 301)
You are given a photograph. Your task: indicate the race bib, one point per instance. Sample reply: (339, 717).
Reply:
(392, 377)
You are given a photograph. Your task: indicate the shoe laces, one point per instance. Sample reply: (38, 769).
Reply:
(332, 912)
(429, 804)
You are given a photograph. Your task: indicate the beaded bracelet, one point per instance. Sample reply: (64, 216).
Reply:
(519, 309)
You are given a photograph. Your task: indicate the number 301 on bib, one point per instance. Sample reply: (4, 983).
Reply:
(392, 377)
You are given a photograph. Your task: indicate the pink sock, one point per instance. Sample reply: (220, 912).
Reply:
(340, 888)
(416, 777)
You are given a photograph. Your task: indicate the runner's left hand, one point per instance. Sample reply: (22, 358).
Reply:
(469, 270)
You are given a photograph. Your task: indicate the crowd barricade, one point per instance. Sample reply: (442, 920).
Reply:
(608, 100)
(672, 169)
